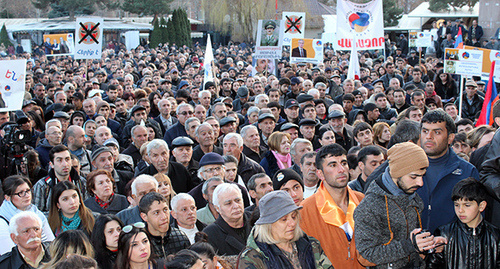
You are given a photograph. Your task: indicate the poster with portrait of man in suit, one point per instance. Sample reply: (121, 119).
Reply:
(306, 50)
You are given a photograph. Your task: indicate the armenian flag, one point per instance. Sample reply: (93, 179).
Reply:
(486, 116)
(459, 42)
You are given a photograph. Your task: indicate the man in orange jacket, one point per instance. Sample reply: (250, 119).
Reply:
(328, 214)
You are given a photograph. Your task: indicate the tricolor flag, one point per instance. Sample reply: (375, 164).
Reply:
(459, 42)
(207, 63)
(354, 70)
(486, 116)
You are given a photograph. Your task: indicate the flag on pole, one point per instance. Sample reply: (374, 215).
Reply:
(486, 116)
(354, 70)
(459, 42)
(207, 63)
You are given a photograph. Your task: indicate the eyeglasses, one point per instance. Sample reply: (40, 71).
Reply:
(184, 113)
(215, 169)
(128, 228)
(22, 194)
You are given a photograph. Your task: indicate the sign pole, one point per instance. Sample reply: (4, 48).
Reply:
(461, 96)
(419, 55)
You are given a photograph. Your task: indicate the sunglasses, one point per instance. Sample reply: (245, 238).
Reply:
(128, 228)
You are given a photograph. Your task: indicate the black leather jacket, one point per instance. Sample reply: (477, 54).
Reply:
(467, 247)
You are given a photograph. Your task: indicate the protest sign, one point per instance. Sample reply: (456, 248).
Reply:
(12, 84)
(88, 35)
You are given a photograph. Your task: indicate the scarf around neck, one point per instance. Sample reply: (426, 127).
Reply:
(70, 223)
(332, 214)
(282, 159)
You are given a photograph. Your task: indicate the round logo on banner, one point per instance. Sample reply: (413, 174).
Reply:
(494, 56)
(293, 24)
(465, 55)
(88, 33)
(421, 35)
(359, 21)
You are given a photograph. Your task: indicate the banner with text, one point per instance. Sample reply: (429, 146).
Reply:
(294, 26)
(12, 79)
(88, 38)
(269, 39)
(463, 62)
(305, 50)
(488, 57)
(363, 21)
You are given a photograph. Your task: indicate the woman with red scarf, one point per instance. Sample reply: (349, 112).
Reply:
(104, 200)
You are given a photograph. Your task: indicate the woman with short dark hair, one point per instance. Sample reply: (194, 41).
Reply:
(18, 198)
(101, 187)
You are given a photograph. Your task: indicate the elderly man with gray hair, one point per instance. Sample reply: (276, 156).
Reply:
(159, 156)
(26, 232)
(184, 214)
(140, 186)
(229, 233)
(212, 165)
(251, 143)
(205, 135)
(208, 213)
(299, 147)
(233, 146)
(183, 112)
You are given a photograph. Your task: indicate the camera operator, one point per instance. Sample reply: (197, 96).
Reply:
(15, 140)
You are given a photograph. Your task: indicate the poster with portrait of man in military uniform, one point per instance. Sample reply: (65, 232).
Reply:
(270, 36)
(269, 39)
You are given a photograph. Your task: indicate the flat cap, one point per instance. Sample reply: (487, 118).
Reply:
(266, 116)
(336, 114)
(61, 114)
(288, 126)
(306, 122)
(182, 141)
(226, 120)
(137, 108)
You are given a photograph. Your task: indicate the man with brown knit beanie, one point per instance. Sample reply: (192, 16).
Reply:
(387, 224)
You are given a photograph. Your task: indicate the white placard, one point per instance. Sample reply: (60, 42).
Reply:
(423, 39)
(363, 22)
(294, 26)
(269, 39)
(12, 79)
(88, 38)
(463, 62)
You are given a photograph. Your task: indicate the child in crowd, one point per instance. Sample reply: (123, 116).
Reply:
(472, 241)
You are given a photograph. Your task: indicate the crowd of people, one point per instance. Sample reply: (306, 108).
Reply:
(133, 161)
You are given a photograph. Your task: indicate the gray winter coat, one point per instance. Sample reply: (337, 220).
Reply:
(383, 223)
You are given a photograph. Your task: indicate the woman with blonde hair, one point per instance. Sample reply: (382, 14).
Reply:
(276, 241)
(165, 186)
(278, 157)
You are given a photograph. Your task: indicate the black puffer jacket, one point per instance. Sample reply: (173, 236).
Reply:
(490, 177)
(467, 247)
